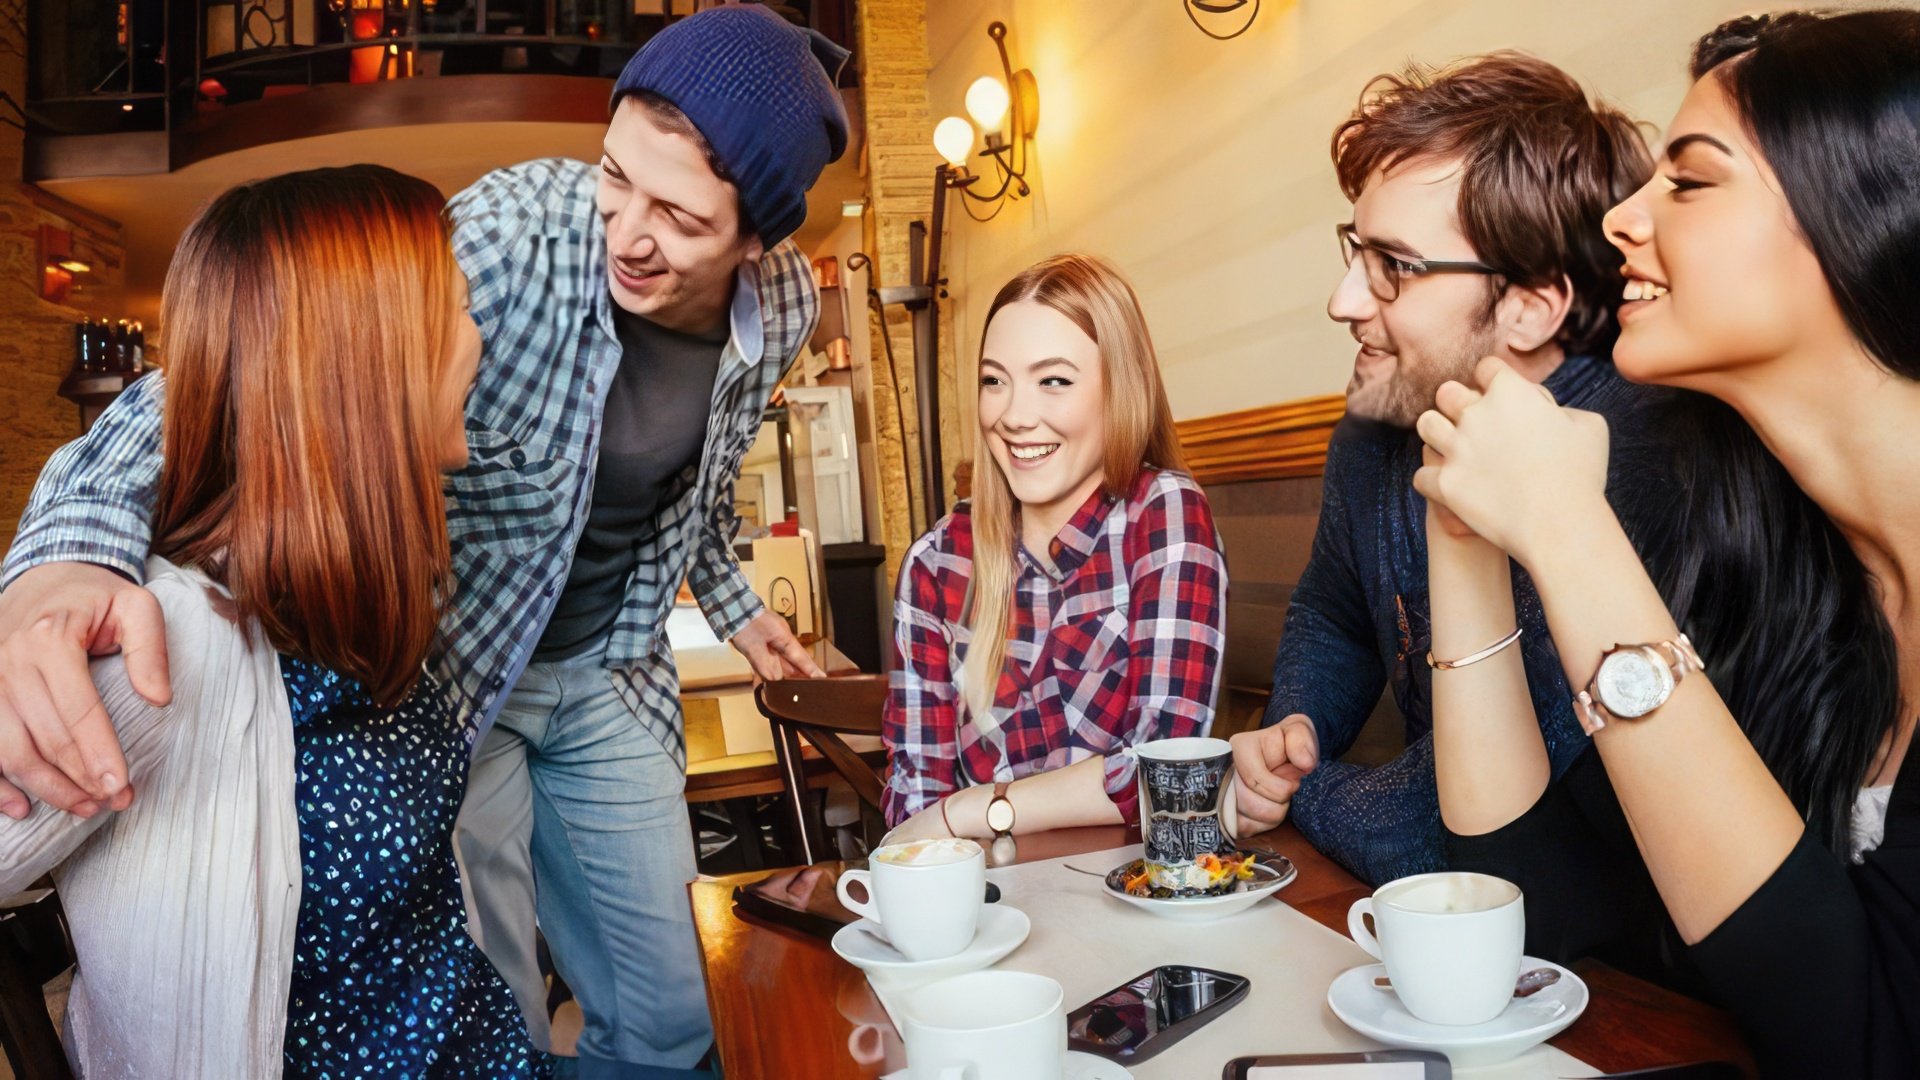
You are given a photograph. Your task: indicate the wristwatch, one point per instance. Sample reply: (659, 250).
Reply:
(1634, 680)
(1002, 851)
(1000, 811)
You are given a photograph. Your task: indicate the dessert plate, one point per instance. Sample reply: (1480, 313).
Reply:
(1270, 874)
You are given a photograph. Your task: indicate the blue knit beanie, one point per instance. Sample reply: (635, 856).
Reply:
(761, 91)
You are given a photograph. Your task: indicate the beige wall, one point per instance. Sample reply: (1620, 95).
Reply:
(1201, 166)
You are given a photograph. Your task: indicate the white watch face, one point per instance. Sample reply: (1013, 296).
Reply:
(1632, 684)
(1000, 815)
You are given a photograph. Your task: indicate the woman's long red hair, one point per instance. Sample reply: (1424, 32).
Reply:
(304, 326)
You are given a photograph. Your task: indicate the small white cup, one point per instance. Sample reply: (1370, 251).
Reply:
(925, 895)
(987, 1025)
(1451, 943)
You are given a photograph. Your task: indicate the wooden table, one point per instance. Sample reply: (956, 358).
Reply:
(764, 979)
(734, 776)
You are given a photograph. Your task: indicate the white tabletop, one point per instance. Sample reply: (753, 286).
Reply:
(1092, 943)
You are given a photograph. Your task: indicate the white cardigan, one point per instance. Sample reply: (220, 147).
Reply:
(183, 906)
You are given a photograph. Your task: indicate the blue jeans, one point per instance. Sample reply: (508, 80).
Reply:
(576, 813)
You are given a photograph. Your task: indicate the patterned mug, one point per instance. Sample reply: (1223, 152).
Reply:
(1184, 787)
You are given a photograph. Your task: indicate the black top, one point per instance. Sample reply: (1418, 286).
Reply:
(651, 434)
(1820, 967)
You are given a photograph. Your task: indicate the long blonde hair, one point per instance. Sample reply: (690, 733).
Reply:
(1139, 433)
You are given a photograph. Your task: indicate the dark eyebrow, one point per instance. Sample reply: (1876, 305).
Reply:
(1684, 141)
(614, 167)
(1389, 244)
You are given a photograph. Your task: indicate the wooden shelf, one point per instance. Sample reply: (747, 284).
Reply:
(93, 389)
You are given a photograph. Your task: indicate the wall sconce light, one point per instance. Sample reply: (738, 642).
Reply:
(1005, 112)
(58, 263)
(1220, 7)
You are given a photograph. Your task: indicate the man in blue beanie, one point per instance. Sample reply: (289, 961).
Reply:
(637, 315)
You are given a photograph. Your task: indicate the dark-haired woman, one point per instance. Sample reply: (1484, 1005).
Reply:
(1749, 826)
(282, 898)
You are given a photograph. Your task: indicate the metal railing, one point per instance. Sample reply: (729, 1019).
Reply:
(99, 66)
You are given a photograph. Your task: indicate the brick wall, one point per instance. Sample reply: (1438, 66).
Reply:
(36, 337)
(900, 165)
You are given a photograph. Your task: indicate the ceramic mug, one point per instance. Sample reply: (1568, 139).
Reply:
(986, 1025)
(1185, 785)
(925, 895)
(1451, 943)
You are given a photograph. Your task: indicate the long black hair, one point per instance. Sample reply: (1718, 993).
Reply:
(1787, 617)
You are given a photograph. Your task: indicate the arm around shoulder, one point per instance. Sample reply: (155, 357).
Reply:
(94, 499)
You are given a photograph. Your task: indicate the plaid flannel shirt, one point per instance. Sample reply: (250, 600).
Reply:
(533, 247)
(1118, 642)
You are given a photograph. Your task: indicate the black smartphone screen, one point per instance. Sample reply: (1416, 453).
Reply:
(1147, 1014)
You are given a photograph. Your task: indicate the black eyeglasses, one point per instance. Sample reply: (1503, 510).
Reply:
(1386, 270)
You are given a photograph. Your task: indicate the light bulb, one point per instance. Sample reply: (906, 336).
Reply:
(953, 137)
(987, 102)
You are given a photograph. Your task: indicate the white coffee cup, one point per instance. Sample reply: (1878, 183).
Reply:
(986, 1025)
(1451, 943)
(925, 895)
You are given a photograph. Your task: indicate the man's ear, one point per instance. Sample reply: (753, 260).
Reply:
(753, 249)
(1531, 317)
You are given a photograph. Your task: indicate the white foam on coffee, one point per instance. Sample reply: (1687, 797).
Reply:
(1452, 894)
(945, 849)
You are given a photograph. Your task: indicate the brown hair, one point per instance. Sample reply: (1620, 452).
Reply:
(1139, 434)
(1540, 167)
(305, 322)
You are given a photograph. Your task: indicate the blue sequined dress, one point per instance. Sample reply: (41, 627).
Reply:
(387, 982)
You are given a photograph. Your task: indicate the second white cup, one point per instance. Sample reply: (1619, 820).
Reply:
(1451, 943)
(986, 1025)
(925, 895)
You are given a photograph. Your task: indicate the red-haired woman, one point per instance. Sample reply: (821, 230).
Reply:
(283, 898)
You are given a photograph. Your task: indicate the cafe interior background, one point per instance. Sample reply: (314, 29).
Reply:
(1184, 139)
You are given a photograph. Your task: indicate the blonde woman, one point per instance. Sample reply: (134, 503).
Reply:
(1077, 606)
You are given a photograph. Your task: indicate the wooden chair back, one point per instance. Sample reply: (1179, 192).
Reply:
(822, 711)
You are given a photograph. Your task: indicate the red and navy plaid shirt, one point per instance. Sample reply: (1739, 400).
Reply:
(1117, 642)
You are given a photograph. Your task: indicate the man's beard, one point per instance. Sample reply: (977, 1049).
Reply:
(1400, 397)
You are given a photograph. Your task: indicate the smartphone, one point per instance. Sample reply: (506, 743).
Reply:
(1368, 1065)
(1148, 1013)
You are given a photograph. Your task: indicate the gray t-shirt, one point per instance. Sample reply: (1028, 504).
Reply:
(651, 433)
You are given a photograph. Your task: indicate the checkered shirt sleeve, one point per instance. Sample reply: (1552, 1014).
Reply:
(921, 717)
(94, 500)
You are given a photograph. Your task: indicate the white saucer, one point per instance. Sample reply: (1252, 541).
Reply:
(1079, 1066)
(1271, 874)
(1001, 931)
(1525, 1023)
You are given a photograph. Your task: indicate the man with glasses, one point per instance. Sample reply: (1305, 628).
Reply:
(1477, 197)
